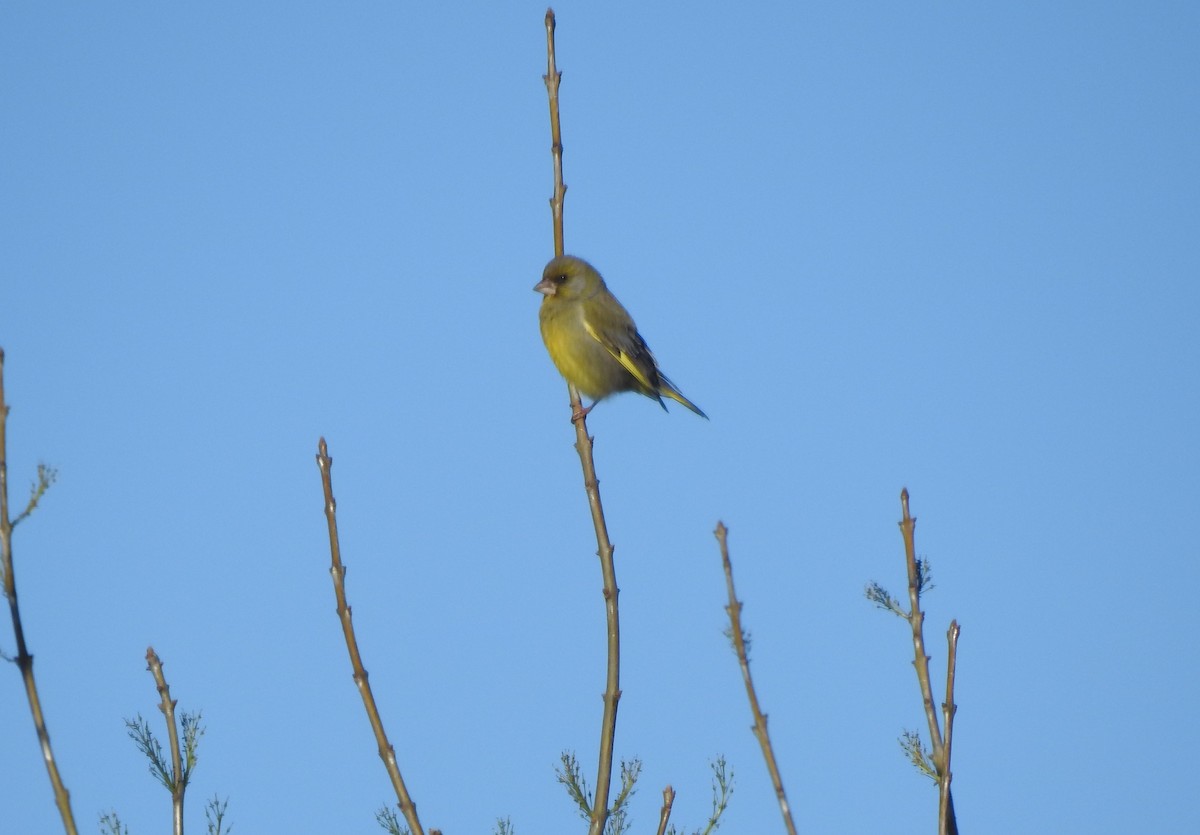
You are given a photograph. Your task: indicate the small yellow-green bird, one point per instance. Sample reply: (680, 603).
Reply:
(592, 338)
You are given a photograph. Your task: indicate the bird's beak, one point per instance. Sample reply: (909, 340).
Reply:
(545, 286)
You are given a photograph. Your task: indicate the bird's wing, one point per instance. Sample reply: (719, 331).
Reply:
(628, 348)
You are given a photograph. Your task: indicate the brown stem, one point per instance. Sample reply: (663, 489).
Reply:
(946, 821)
(386, 752)
(664, 813)
(552, 78)
(167, 706)
(24, 659)
(916, 619)
(734, 609)
(583, 445)
(947, 824)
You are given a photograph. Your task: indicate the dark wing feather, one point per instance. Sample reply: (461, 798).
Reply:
(628, 348)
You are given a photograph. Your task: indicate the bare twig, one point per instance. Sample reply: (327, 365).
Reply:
(583, 445)
(946, 821)
(386, 752)
(918, 581)
(664, 813)
(916, 619)
(24, 659)
(738, 636)
(552, 78)
(180, 774)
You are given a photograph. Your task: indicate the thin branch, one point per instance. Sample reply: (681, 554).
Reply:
(24, 659)
(338, 572)
(179, 776)
(583, 445)
(916, 619)
(664, 814)
(552, 78)
(919, 581)
(738, 636)
(946, 822)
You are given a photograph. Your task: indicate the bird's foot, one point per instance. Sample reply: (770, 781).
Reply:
(579, 413)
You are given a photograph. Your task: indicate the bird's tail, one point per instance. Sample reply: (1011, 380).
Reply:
(667, 389)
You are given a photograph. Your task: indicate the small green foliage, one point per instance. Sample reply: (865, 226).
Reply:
(387, 819)
(110, 824)
(504, 827)
(46, 476)
(722, 789)
(630, 771)
(618, 822)
(571, 776)
(882, 598)
(139, 731)
(618, 814)
(916, 753)
(192, 731)
(160, 765)
(728, 633)
(924, 576)
(214, 815)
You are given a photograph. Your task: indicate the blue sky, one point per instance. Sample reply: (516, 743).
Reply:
(944, 247)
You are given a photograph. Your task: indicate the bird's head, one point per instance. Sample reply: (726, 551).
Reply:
(568, 278)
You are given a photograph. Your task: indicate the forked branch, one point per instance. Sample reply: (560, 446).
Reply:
(935, 762)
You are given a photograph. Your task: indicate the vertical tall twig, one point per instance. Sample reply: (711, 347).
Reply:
(583, 445)
(738, 636)
(916, 619)
(947, 825)
(664, 814)
(23, 658)
(386, 752)
(552, 79)
(179, 776)
(946, 821)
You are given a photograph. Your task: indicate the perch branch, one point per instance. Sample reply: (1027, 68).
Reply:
(583, 445)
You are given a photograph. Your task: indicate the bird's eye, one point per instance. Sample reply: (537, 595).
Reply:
(560, 279)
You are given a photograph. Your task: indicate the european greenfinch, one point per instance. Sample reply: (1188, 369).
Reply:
(592, 339)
